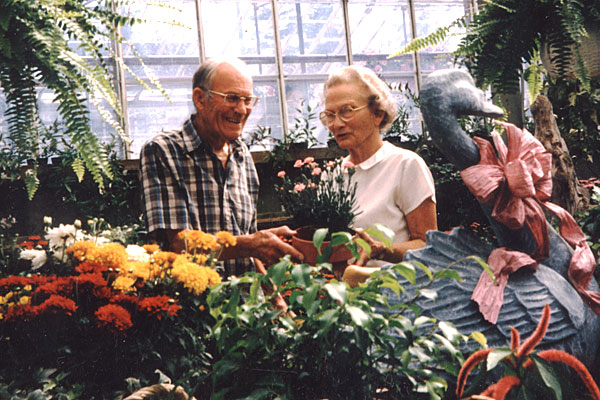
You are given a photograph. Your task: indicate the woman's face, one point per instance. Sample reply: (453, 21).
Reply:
(363, 128)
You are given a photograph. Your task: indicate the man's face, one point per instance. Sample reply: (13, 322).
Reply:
(223, 122)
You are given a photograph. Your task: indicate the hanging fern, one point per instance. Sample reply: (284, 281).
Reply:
(35, 53)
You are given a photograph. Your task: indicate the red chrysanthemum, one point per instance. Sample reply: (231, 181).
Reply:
(122, 298)
(56, 285)
(90, 267)
(28, 245)
(21, 313)
(58, 305)
(89, 280)
(113, 317)
(158, 306)
(10, 281)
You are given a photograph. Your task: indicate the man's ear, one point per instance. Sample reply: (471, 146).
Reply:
(198, 98)
(378, 116)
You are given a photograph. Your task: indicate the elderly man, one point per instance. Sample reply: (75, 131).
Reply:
(203, 177)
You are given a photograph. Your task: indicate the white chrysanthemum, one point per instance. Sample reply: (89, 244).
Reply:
(62, 237)
(37, 257)
(137, 253)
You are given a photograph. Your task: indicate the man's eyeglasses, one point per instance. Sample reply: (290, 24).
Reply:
(234, 99)
(345, 114)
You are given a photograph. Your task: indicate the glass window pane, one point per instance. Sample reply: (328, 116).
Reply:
(170, 51)
(377, 29)
(245, 29)
(434, 14)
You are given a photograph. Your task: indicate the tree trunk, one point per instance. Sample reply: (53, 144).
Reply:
(567, 192)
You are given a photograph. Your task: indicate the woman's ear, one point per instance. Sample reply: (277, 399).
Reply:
(198, 98)
(378, 117)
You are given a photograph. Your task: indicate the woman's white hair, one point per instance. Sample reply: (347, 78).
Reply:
(379, 94)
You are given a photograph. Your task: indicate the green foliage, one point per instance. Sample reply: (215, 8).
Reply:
(35, 51)
(334, 342)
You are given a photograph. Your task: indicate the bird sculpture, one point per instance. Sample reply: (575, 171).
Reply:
(574, 327)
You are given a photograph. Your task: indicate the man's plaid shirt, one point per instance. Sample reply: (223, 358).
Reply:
(184, 186)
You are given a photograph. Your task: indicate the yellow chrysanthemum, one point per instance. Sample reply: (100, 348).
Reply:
(226, 239)
(144, 270)
(124, 283)
(151, 248)
(213, 277)
(199, 241)
(112, 255)
(3, 300)
(25, 300)
(27, 288)
(1, 316)
(9, 295)
(82, 250)
(164, 258)
(194, 277)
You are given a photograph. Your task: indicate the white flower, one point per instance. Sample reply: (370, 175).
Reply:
(62, 237)
(137, 253)
(47, 220)
(37, 257)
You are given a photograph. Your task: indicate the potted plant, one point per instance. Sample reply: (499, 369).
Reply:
(505, 34)
(319, 196)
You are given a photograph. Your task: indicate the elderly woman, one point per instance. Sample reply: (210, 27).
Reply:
(394, 186)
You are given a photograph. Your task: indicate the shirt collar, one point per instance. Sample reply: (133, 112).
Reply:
(192, 141)
(380, 155)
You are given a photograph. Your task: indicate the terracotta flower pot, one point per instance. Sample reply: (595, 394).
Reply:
(303, 242)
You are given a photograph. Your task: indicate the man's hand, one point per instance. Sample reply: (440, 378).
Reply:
(268, 245)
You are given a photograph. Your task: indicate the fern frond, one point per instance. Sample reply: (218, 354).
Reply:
(433, 39)
(533, 77)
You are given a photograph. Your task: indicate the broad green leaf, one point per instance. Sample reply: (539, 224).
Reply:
(424, 268)
(449, 331)
(78, 168)
(429, 293)
(340, 238)
(309, 297)
(381, 233)
(447, 274)
(329, 317)
(446, 343)
(407, 270)
(496, 356)
(301, 274)
(359, 317)
(548, 376)
(319, 237)
(337, 291)
(277, 272)
(253, 297)
(363, 245)
(479, 338)
(422, 320)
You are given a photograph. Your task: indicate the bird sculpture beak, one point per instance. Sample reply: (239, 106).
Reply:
(489, 110)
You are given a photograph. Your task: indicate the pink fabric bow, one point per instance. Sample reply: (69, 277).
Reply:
(518, 184)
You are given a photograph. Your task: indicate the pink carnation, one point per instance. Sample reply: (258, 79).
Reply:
(308, 160)
(298, 164)
(316, 171)
(348, 164)
(281, 174)
(330, 164)
(312, 185)
(299, 187)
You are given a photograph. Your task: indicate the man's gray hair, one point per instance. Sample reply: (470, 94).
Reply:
(206, 72)
(379, 94)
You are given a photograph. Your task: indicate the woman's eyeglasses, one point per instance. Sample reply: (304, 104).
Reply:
(345, 114)
(234, 99)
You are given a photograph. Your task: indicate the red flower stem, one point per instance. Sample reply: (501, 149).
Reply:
(537, 334)
(466, 368)
(566, 358)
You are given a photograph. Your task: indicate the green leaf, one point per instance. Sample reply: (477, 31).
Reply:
(337, 291)
(340, 238)
(428, 293)
(496, 356)
(319, 237)
(359, 317)
(447, 274)
(301, 275)
(548, 376)
(309, 297)
(277, 272)
(363, 245)
(381, 233)
(423, 268)
(479, 338)
(449, 331)
(485, 267)
(78, 168)
(407, 270)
